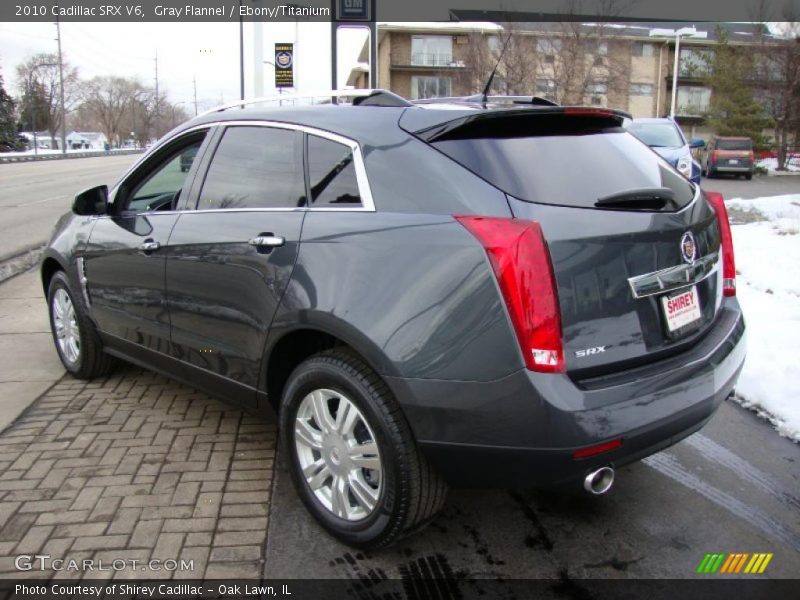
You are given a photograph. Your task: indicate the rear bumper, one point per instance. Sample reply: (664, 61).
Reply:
(521, 431)
(729, 169)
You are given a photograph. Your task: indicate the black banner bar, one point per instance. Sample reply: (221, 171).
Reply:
(391, 10)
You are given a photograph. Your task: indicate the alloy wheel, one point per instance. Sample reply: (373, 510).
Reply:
(65, 323)
(338, 454)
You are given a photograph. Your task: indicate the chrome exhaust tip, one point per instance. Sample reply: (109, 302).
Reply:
(599, 481)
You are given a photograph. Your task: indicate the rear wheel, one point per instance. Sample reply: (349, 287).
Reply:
(749, 176)
(351, 454)
(76, 339)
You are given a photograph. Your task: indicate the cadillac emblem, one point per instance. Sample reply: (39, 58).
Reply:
(688, 248)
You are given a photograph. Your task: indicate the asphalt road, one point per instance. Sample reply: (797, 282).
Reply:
(734, 187)
(34, 194)
(732, 487)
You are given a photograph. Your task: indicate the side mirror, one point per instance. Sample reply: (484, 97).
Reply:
(93, 201)
(697, 143)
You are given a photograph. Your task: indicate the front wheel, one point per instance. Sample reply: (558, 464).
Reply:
(76, 339)
(351, 454)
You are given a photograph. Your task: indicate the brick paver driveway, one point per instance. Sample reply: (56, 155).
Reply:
(135, 467)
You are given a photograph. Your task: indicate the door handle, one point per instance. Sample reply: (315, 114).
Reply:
(149, 246)
(267, 241)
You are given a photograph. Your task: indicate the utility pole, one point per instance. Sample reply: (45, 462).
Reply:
(241, 53)
(61, 83)
(194, 84)
(158, 107)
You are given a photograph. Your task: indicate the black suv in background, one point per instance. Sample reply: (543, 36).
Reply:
(499, 293)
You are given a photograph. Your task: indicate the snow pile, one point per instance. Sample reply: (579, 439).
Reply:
(767, 250)
(771, 164)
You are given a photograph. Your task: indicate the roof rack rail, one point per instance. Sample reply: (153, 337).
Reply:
(479, 99)
(362, 97)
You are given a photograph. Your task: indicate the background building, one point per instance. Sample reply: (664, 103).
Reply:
(620, 65)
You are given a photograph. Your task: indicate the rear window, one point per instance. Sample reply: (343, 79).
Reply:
(567, 166)
(657, 135)
(734, 144)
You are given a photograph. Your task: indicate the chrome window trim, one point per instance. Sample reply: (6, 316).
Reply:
(364, 190)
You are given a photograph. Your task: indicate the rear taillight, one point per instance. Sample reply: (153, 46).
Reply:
(714, 156)
(728, 263)
(521, 261)
(752, 156)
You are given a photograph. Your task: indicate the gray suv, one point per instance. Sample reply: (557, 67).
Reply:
(500, 293)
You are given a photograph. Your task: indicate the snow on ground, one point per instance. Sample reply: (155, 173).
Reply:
(770, 164)
(766, 239)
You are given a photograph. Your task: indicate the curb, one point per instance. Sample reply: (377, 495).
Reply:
(18, 263)
(35, 157)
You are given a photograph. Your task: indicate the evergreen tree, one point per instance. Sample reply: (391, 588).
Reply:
(8, 128)
(733, 110)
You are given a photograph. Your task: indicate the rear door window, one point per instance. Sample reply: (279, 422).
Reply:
(255, 167)
(332, 174)
(564, 164)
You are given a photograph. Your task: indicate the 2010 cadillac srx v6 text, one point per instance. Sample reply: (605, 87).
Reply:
(476, 291)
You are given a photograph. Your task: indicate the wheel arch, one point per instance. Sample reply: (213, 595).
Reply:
(49, 267)
(290, 347)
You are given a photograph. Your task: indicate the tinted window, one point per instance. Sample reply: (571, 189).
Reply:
(255, 167)
(657, 135)
(567, 167)
(734, 144)
(331, 173)
(160, 189)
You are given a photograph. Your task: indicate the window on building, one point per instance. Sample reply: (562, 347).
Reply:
(597, 87)
(548, 47)
(431, 50)
(494, 43)
(430, 87)
(255, 167)
(641, 89)
(546, 88)
(643, 49)
(695, 62)
(597, 47)
(693, 100)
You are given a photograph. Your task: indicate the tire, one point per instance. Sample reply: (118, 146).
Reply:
(405, 491)
(711, 174)
(90, 360)
(748, 176)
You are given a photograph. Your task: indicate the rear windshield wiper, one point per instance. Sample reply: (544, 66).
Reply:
(638, 199)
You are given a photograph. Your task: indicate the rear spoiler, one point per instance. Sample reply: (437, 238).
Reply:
(434, 125)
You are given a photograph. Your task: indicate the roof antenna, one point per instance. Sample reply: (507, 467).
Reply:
(485, 94)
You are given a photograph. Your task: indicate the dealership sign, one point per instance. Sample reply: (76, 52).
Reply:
(284, 65)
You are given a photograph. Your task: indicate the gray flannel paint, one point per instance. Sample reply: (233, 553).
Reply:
(413, 293)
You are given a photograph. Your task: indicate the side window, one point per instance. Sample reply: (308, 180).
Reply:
(159, 187)
(332, 174)
(255, 167)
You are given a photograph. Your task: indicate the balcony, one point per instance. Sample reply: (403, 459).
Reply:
(426, 60)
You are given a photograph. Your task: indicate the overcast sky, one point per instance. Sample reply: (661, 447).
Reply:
(207, 51)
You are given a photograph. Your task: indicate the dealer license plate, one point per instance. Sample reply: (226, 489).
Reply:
(682, 309)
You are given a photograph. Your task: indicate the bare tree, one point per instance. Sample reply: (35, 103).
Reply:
(108, 98)
(515, 67)
(569, 62)
(39, 82)
(776, 68)
(579, 59)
